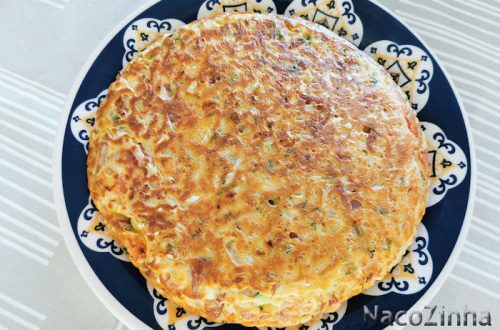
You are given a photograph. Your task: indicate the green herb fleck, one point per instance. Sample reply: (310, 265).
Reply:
(122, 128)
(381, 211)
(115, 118)
(290, 151)
(358, 230)
(374, 80)
(125, 250)
(232, 79)
(171, 248)
(303, 204)
(261, 308)
(222, 190)
(314, 225)
(259, 209)
(256, 294)
(278, 35)
(308, 38)
(295, 68)
(241, 128)
(270, 165)
(288, 249)
(388, 244)
(350, 269)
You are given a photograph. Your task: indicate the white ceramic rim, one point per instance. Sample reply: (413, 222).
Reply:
(93, 281)
(446, 270)
(88, 274)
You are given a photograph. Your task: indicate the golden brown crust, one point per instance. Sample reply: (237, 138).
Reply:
(259, 169)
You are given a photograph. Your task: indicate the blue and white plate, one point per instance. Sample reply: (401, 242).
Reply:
(409, 286)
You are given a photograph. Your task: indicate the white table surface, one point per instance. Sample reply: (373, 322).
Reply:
(44, 45)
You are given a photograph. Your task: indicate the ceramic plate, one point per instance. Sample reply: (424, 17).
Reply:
(372, 29)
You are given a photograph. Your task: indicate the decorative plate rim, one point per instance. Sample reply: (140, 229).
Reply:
(93, 281)
(452, 258)
(90, 277)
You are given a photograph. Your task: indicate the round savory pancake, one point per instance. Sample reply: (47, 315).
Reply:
(259, 169)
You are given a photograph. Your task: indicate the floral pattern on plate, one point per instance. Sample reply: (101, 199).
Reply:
(412, 273)
(93, 234)
(447, 162)
(328, 321)
(172, 317)
(212, 7)
(83, 118)
(410, 67)
(335, 15)
(143, 32)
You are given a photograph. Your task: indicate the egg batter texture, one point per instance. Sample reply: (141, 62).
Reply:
(258, 169)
